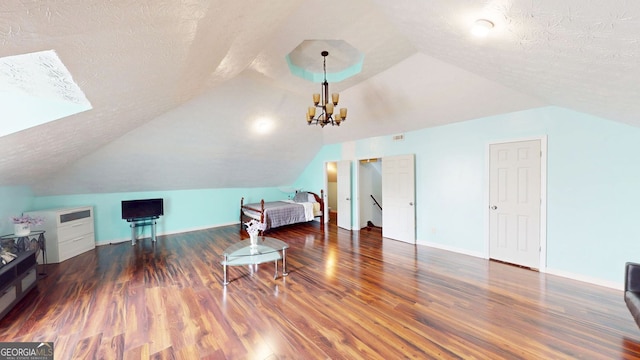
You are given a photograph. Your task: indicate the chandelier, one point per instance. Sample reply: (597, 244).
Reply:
(325, 105)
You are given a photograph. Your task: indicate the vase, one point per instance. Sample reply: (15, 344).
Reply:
(21, 229)
(254, 239)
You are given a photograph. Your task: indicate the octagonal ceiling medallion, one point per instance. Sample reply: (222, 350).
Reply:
(343, 60)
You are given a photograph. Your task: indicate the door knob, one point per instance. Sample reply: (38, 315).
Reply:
(411, 203)
(494, 207)
(348, 199)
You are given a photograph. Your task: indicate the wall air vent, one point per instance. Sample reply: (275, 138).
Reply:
(398, 137)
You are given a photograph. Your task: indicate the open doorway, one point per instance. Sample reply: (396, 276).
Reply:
(339, 209)
(370, 193)
(332, 191)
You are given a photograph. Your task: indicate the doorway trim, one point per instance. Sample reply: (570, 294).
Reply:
(543, 196)
(363, 198)
(325, 172)
(353, 174)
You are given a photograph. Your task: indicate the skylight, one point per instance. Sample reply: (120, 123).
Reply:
(36, 88)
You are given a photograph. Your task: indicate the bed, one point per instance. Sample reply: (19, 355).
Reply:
(305, 206)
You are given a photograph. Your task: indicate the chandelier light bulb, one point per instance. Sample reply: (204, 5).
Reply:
(329, 108)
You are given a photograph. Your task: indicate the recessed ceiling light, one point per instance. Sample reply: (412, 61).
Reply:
(481, 27)
(263, 125)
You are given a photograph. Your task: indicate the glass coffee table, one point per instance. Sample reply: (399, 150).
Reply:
(243, 253)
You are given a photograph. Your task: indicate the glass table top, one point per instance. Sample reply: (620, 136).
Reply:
(242, 253)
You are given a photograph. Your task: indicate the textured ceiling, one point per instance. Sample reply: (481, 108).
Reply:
(178, 88)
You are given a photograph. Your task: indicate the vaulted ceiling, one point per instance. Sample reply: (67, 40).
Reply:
(197, 94)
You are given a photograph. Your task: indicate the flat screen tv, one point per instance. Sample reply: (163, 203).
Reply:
(141, 209)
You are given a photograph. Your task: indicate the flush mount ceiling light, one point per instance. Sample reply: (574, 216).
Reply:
(322, 102)
(263, 125)
(481, 27)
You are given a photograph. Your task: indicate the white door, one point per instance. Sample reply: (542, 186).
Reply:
(398, 198)
(514, 202)
(344, 194)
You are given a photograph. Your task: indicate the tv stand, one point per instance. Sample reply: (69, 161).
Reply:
(134, 223)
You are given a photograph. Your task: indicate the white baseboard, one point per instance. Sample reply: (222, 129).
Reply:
(586, 279)
(453, 249)
(564, 274)
(197, 228)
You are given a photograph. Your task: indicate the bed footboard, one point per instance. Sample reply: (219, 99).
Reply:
(320, 200)
(244, 218)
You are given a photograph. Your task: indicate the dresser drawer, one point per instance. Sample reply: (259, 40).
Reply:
(7, 297)
(69, 216)
(74, 230)
(76, 246)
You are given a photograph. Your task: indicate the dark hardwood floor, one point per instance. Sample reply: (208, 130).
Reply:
(348, 296)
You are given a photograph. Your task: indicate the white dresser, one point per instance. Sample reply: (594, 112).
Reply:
(68, 232)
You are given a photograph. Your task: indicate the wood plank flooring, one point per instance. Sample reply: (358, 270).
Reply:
(349, 295)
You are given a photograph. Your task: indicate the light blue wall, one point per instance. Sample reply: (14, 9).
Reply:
(593, 185)
(593, 189)
(313, 176)
(184, 210)
(13, 201)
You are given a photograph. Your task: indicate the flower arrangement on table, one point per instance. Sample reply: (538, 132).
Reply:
(26, 219)
(254, 227)
(23, 224)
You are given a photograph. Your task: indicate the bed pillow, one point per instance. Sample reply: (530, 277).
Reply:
(302, 196)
